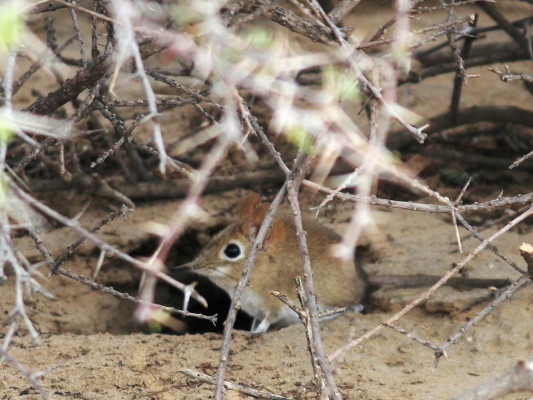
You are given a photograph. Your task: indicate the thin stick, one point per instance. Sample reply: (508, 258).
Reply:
(314, 31)
(521, 160)
(125, 14)
(305, 318)
(508, 76)
(78, 36)
(518, 379)
(31, 376)
(406, 205)
(125, 296)
(178, 188)
(99, 242)
(423, 296)
(507, 26)
(441, 350)
(423, 10)
(342, 9)
(492, 222)
(42, 60)
(72, 247)
(461, 77)
(490, 246)
(328, 387)
(259, 132)
(239, 290)
(234, 386)
(56, 269)
(413, 337)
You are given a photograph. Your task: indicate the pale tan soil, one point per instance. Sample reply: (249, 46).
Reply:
(98, 352)
(87, 335)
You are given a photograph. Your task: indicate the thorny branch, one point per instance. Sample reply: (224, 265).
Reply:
(99, 242)
(99, 147)
(239, 289)
(518, 379)
(323, 370)
(421, 297)
(55, 267)
(261, 394)
(508, 76)
(441, 350)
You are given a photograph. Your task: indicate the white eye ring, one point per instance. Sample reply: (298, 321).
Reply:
(226, 255)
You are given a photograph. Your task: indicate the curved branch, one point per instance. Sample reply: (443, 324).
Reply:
(470, 115)
(491, 53)
(85, 79)
(290, 20)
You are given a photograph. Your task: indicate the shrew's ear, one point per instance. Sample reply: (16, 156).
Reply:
(254, 222)
(249, 204)
(275, 234)
(255, 219)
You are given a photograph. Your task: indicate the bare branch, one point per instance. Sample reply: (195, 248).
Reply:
(421, 297)
(518, 379)
(234, 386)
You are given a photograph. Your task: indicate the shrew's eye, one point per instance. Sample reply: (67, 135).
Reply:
(232, 251)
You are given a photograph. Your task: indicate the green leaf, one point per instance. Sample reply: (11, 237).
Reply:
(11, 24)
(6, 129)
(260, 38)
(343, 84)
(299, 137)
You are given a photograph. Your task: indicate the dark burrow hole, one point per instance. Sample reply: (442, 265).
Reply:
(183, 251)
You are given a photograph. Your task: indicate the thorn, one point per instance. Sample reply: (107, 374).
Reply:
(187, 295)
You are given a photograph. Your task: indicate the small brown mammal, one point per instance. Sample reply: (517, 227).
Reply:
(278, 262)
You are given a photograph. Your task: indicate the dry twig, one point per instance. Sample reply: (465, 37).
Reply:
(322, 368)
(239, 289)
(220, 88)
(261, 394)
(421, 297)
(518, 379)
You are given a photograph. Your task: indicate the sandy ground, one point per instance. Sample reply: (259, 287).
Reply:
(92, 349)
(90, 341)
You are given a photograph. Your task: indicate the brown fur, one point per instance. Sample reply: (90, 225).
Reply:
(337, 283)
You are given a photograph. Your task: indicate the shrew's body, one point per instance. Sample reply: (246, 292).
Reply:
(337, 283)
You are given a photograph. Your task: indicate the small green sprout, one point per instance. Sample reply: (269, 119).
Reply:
(6, 129)
(260, 38)
(11, 24)
(299, 137)
(343, 85)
